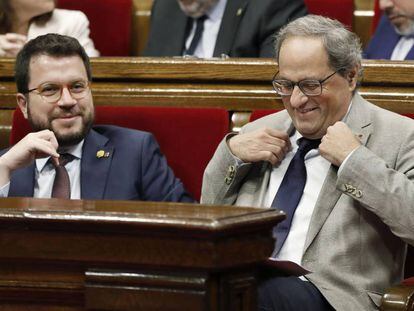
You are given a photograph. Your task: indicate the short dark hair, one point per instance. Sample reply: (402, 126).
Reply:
(52, 45)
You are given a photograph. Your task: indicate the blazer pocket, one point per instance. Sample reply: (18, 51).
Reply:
(375, 297)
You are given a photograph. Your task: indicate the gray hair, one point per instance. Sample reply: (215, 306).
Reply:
(342, 46)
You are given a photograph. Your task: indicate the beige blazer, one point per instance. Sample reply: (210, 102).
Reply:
(67, 22)
(363, 218)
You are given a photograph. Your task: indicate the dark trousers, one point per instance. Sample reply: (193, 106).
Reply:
(290, 294)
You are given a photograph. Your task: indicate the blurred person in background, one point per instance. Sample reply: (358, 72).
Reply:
(211, 28)
(22, 20)
(393, 38)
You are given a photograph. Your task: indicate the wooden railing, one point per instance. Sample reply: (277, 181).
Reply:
(238, 85)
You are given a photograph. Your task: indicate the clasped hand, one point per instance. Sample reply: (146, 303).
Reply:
(11, 44)
(272, 145)
(32, 146)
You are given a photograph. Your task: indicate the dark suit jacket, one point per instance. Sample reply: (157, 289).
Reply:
(247, 28)
(134, 169)
(383, 42)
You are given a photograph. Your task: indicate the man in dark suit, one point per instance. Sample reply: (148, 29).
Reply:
(237, 28)
(394, 36)
(104, 162)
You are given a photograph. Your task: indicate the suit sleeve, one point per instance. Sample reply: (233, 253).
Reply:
(276, 15)
(158, 180)
(223, 177)
(384, 190)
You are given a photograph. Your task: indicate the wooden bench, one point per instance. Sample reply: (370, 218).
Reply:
(238, 85)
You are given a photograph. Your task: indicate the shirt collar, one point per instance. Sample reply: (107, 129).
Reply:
(75, 150)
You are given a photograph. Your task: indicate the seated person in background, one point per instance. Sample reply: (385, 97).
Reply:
(393, 38)
(210, 28)
(22, 20)
(349, 221)
(53, 78)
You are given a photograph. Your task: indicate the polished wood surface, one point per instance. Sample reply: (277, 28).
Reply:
(398, 298)
(124, 255)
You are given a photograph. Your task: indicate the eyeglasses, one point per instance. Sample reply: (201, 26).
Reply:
(309, 87)
(51, 92)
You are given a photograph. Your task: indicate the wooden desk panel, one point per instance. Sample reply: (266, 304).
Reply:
(124, 255)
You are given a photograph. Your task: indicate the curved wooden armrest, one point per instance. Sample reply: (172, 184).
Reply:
(399, 297)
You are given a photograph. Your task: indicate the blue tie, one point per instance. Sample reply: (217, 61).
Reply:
(291, 189)
(197, 35)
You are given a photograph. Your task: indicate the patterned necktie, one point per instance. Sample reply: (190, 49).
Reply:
(197, 35)
(61, 184)
(291, 189)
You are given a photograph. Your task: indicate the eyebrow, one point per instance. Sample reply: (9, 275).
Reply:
(307, 78)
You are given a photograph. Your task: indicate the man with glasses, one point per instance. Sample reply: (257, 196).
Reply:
(66, 156)
(341, 168)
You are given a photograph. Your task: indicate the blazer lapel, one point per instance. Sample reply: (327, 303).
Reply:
(410, 54)
(95, 164)
(178, 26)
(22, 182)
(359, 122)
(232, 16)
(265, 170)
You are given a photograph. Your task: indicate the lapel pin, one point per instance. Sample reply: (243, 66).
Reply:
(106, 154)
(239, 12)
(100, 154)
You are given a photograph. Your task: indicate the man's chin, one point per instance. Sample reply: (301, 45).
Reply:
(69, 140)
(405, 30)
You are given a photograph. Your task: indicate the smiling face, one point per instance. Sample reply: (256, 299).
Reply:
(398, 16)
(305, 58)
(70, 119)
(196, 8)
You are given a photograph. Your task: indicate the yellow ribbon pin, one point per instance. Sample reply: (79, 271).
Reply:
(100, 154)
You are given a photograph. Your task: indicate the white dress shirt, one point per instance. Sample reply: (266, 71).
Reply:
(207, 43)
(45, 175)
(66, 22)
(317, 169)
(402, 48)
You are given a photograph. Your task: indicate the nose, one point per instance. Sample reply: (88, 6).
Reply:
(66, 98)
(298, 98)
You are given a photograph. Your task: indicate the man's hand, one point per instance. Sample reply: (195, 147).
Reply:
(261, 145)
(32, 146)
(338, 143)
(11, 44)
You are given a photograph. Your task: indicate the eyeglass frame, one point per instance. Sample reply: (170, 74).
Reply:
(299, 86)
(62, 86)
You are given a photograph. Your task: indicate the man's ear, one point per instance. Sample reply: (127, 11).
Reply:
(352, 78)
(22, 103)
